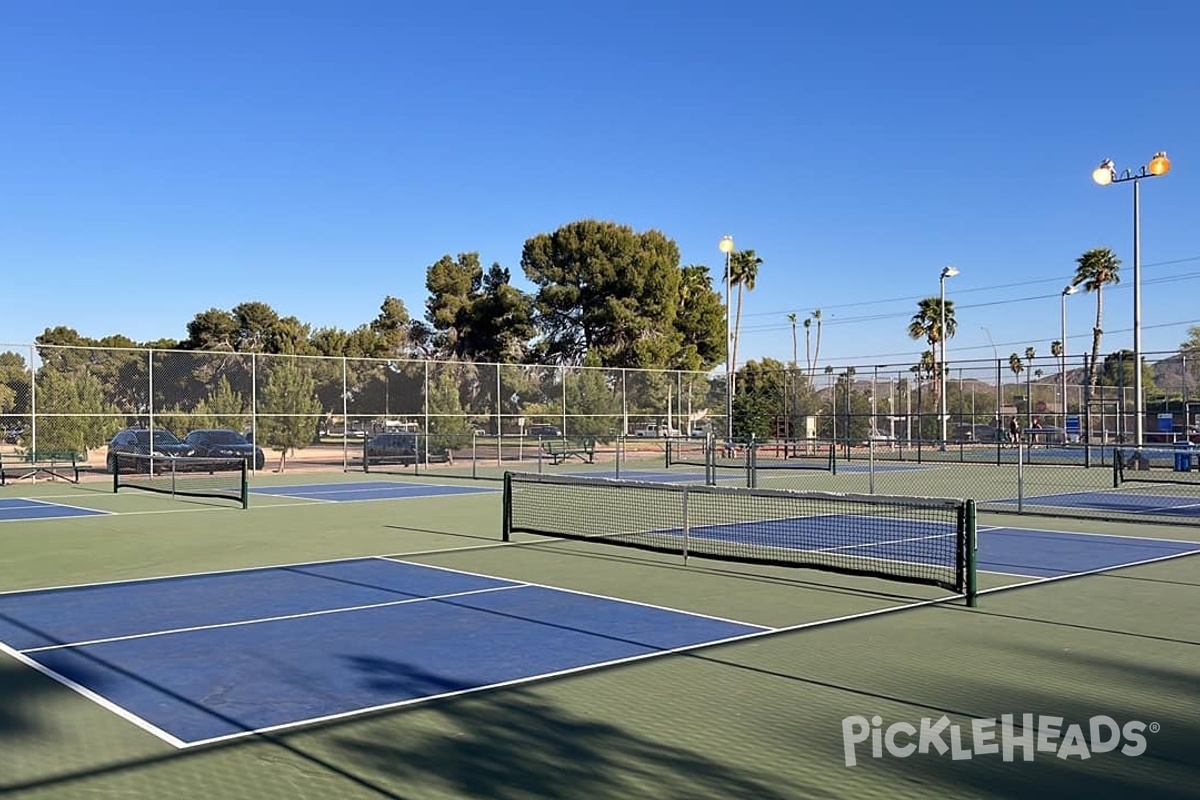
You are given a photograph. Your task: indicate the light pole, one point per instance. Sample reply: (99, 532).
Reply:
(1069, 290)
(726, 246)
(1105, 174)
(947, 272)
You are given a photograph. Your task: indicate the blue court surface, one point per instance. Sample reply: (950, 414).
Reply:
(202, 658)
(366, 490)
(1127, 502)
(651, 476)
(1018, 552)
(16, 509)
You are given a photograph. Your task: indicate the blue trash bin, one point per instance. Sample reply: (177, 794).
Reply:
(1183, 456)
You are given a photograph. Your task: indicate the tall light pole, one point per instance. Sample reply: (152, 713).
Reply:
(947, 272)
(726, 246)
(1069, 290)
(1105, 174)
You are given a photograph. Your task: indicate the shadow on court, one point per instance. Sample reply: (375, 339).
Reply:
(513, 743)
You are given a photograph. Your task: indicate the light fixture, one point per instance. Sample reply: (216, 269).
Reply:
(1104, 173)
(1160, 164)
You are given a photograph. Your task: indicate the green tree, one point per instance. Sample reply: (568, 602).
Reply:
(14, 389)
(760, 402)
(1094, 270)
(1191, 344)
(73, 413)
(602, 287)
(1117, 370)
(289, 408)
(700, 320)
(593, 405)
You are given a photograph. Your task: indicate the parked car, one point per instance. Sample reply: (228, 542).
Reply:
(391, 448)
(224, 443)
(132, 442)
(544, 431)
(987, 434)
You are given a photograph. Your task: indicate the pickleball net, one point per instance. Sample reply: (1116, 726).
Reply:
(919, 540)
(185, 476)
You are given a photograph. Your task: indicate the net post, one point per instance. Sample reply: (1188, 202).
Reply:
(710, 459)
(833, 457)
(366, 466)
(1020, 476)
(871, 464)
(475, 454)
(506, 516)
(686, 525)
(1116, 470)
(667, 454)
(618, 445)
(245, 484)
(971, 562)
(116, 473)
(751, 465)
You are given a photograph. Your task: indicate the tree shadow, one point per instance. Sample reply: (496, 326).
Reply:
(514, 743)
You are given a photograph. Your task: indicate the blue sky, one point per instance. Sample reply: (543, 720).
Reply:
(160, 158)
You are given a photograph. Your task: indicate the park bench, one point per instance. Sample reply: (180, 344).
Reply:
(63, 464)
(559, 450)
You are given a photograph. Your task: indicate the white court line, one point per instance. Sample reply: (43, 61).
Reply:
(100, 700)
(1086, 573)
(1091, 533)
(278, 618)
(399, 560)
(570, 671)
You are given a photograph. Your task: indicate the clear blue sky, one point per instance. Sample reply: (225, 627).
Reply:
(161, 158)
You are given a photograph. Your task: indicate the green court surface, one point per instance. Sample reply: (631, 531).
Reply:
(758, 718)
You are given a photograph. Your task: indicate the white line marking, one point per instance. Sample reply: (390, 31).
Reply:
(1005, 528)
(100, 700)
(572, 670)
(279, 618)
(1085, 573)
(398, 560)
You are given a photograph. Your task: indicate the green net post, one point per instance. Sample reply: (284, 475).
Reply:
(1116, 471)
(972, 556)
(245, 484)
(833, 457)
(366, 463)
(506, 517)
(116, 473)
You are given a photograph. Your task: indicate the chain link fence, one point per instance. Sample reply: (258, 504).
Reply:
(321, 412)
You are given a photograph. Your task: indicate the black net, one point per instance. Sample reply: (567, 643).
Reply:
(1172, 472)
(185, 476)
(919, 540)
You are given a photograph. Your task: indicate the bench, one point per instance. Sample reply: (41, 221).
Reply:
(559, 450)
(62, 464)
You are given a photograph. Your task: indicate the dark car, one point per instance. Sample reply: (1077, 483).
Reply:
(127, 449)
(224, 443)
(545, 431)
(391, 448)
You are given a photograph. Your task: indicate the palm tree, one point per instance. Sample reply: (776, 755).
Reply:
(1094, 270)
(792, 319)
(927, 324)
(816, 315)
(1016, 365)
(743, 272)
(807, 345)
